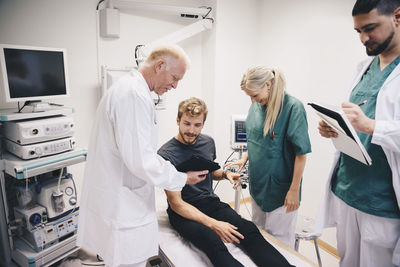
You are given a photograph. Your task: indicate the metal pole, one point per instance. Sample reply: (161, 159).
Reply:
(238, 191)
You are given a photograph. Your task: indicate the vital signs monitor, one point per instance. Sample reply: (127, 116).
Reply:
(238, 132)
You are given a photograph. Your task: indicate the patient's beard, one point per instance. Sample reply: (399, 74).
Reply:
(186, 142)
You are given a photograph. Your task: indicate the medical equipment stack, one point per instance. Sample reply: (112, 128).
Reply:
(38, 198)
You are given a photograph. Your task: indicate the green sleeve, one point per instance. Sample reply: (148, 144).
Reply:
(297, 132)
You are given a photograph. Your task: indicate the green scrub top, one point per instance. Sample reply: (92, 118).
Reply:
(271, 158)
(368, 188)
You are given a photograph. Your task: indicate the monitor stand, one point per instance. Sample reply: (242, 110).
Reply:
(38, 106)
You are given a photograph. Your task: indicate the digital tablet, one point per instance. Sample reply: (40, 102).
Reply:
(334, 115)
(347, 140)
(196, 163)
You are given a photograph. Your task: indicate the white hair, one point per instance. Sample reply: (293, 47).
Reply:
(166, 52)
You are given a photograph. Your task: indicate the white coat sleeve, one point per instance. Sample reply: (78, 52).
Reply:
(387, 135)
(136, 142)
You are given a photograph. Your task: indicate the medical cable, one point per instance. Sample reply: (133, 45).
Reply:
(83, 263)
(215, 187)
(136, 53)
(26, 185)
(76, 196)
(57, 197)
(68, 175)
(59, 180)
(99, 60)
(20, 109)
(158, 100)
(93, 264)
(98, 4)
(55, 104)
(209, 11)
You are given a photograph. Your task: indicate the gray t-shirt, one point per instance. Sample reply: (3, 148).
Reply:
(176, 152)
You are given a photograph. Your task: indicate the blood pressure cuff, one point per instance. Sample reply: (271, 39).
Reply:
(196, 163)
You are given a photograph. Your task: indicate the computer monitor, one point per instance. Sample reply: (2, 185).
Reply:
(238, 132)
(32, 73)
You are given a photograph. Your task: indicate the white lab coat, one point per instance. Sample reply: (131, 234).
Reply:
(117, 217)
(386, 134)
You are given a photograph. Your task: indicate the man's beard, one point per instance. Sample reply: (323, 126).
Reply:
(381, 47)
(186, 142)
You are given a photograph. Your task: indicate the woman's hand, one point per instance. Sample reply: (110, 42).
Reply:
(241, 162)
(292, 200)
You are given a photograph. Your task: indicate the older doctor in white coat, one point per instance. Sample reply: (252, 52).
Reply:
(363, 201)
(117, 217)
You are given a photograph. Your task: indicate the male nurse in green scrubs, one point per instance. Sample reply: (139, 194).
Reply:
(363, 201)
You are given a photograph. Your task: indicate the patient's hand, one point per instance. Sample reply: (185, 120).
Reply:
(226, 231)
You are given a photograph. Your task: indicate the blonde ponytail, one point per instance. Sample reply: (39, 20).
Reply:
(254, 79)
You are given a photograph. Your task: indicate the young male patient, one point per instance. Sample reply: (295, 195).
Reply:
(196, 213)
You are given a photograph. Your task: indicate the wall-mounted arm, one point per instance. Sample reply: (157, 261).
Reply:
(186, 32)
(179, 10)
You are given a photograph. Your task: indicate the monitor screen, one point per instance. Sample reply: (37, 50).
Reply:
(238, 132)
(31, 73)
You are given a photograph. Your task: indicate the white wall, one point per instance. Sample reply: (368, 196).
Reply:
(312, 41)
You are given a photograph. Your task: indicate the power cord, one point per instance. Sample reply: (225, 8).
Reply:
(98, 4)
(158, 100)
(209, 11)
(136, 53)
(20, 109)
(93, 264)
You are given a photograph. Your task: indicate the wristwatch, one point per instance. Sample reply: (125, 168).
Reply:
(224, 175)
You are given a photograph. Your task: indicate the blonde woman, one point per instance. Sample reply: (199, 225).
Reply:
(278, 141)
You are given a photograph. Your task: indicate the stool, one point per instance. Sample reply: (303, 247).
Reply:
(308, 236)
(305, 232)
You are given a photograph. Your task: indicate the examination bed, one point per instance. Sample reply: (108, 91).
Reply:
(181, 252)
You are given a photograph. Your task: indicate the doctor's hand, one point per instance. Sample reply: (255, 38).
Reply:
(226, 231)
(194, 177)
(358, 119)
(326, 131)
(292, 200)
(234, 178)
